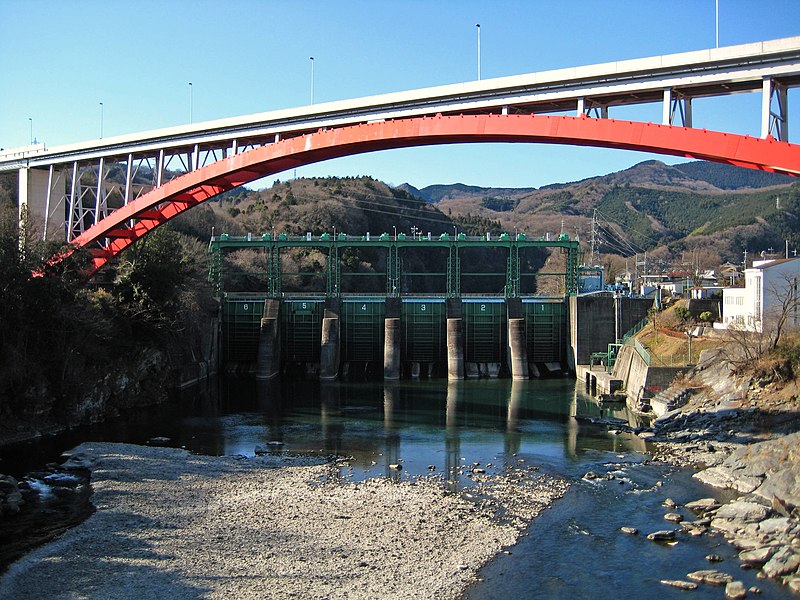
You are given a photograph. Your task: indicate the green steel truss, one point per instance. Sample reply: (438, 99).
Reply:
(333, 279)
(394, 244)
(453, 272)
(393, 272)
(512, 273)
(274, 271)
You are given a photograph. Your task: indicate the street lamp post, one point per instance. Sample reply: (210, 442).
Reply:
(478, 27)
(101, 120)
(311, 58)
(30, 120)
(190, 103)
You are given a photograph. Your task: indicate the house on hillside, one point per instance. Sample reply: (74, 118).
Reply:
(731, 273)
(676, 282)
(771, 288)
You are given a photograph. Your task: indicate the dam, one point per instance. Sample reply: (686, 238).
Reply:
(410, 324)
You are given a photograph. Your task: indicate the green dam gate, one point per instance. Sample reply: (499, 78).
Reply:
(452, 329)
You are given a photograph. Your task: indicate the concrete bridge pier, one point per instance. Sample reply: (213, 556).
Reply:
(391, 348)
(455, 349)
(268, 362)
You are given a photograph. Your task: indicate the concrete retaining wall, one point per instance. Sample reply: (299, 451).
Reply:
(640, 380)
(598, 320)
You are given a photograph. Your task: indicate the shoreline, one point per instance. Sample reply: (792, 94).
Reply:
(172, 524)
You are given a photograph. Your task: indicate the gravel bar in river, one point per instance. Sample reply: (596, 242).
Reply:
(170, 524)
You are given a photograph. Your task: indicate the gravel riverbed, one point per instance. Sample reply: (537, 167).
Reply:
(170, 524)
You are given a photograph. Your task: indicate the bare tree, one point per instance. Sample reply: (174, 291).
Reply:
(749, 343)
(783, 314)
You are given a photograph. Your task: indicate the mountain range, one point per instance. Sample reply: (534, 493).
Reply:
(710, 211)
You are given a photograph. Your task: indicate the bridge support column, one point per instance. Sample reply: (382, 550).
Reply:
(455, 349)
(33, 186)
(329, 349)
(774, 110)
(391, 348)
(517, 346)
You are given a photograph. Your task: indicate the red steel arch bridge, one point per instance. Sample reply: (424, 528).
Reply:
(105, 194)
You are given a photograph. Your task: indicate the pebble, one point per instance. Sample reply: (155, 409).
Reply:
(710, 576)
(664, 535)
(673, 517)
(680, 584)
(629, 530)
(735, 590)
(703, 505)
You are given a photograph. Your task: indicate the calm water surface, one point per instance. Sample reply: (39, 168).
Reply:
(574, 550)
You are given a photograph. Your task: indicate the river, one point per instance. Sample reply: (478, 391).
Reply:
(575, 549)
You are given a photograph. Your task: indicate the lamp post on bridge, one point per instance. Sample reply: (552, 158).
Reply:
(478, 27)
(30, 120)
(311, 58)
(190, 103)
(101, 120)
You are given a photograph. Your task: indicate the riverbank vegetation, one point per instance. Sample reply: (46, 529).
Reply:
(63, 340)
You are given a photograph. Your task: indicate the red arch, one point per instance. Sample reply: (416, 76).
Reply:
(129, 223)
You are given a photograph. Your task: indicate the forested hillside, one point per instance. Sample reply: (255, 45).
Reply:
(708, 210)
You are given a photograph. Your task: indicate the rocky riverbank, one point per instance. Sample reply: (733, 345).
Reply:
(172, 524)
(743, 433)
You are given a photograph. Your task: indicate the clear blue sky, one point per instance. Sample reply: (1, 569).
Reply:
(61, 59)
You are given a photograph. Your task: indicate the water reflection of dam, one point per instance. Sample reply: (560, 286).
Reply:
(438, 424)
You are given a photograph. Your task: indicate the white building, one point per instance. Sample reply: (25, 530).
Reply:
(769, 284)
